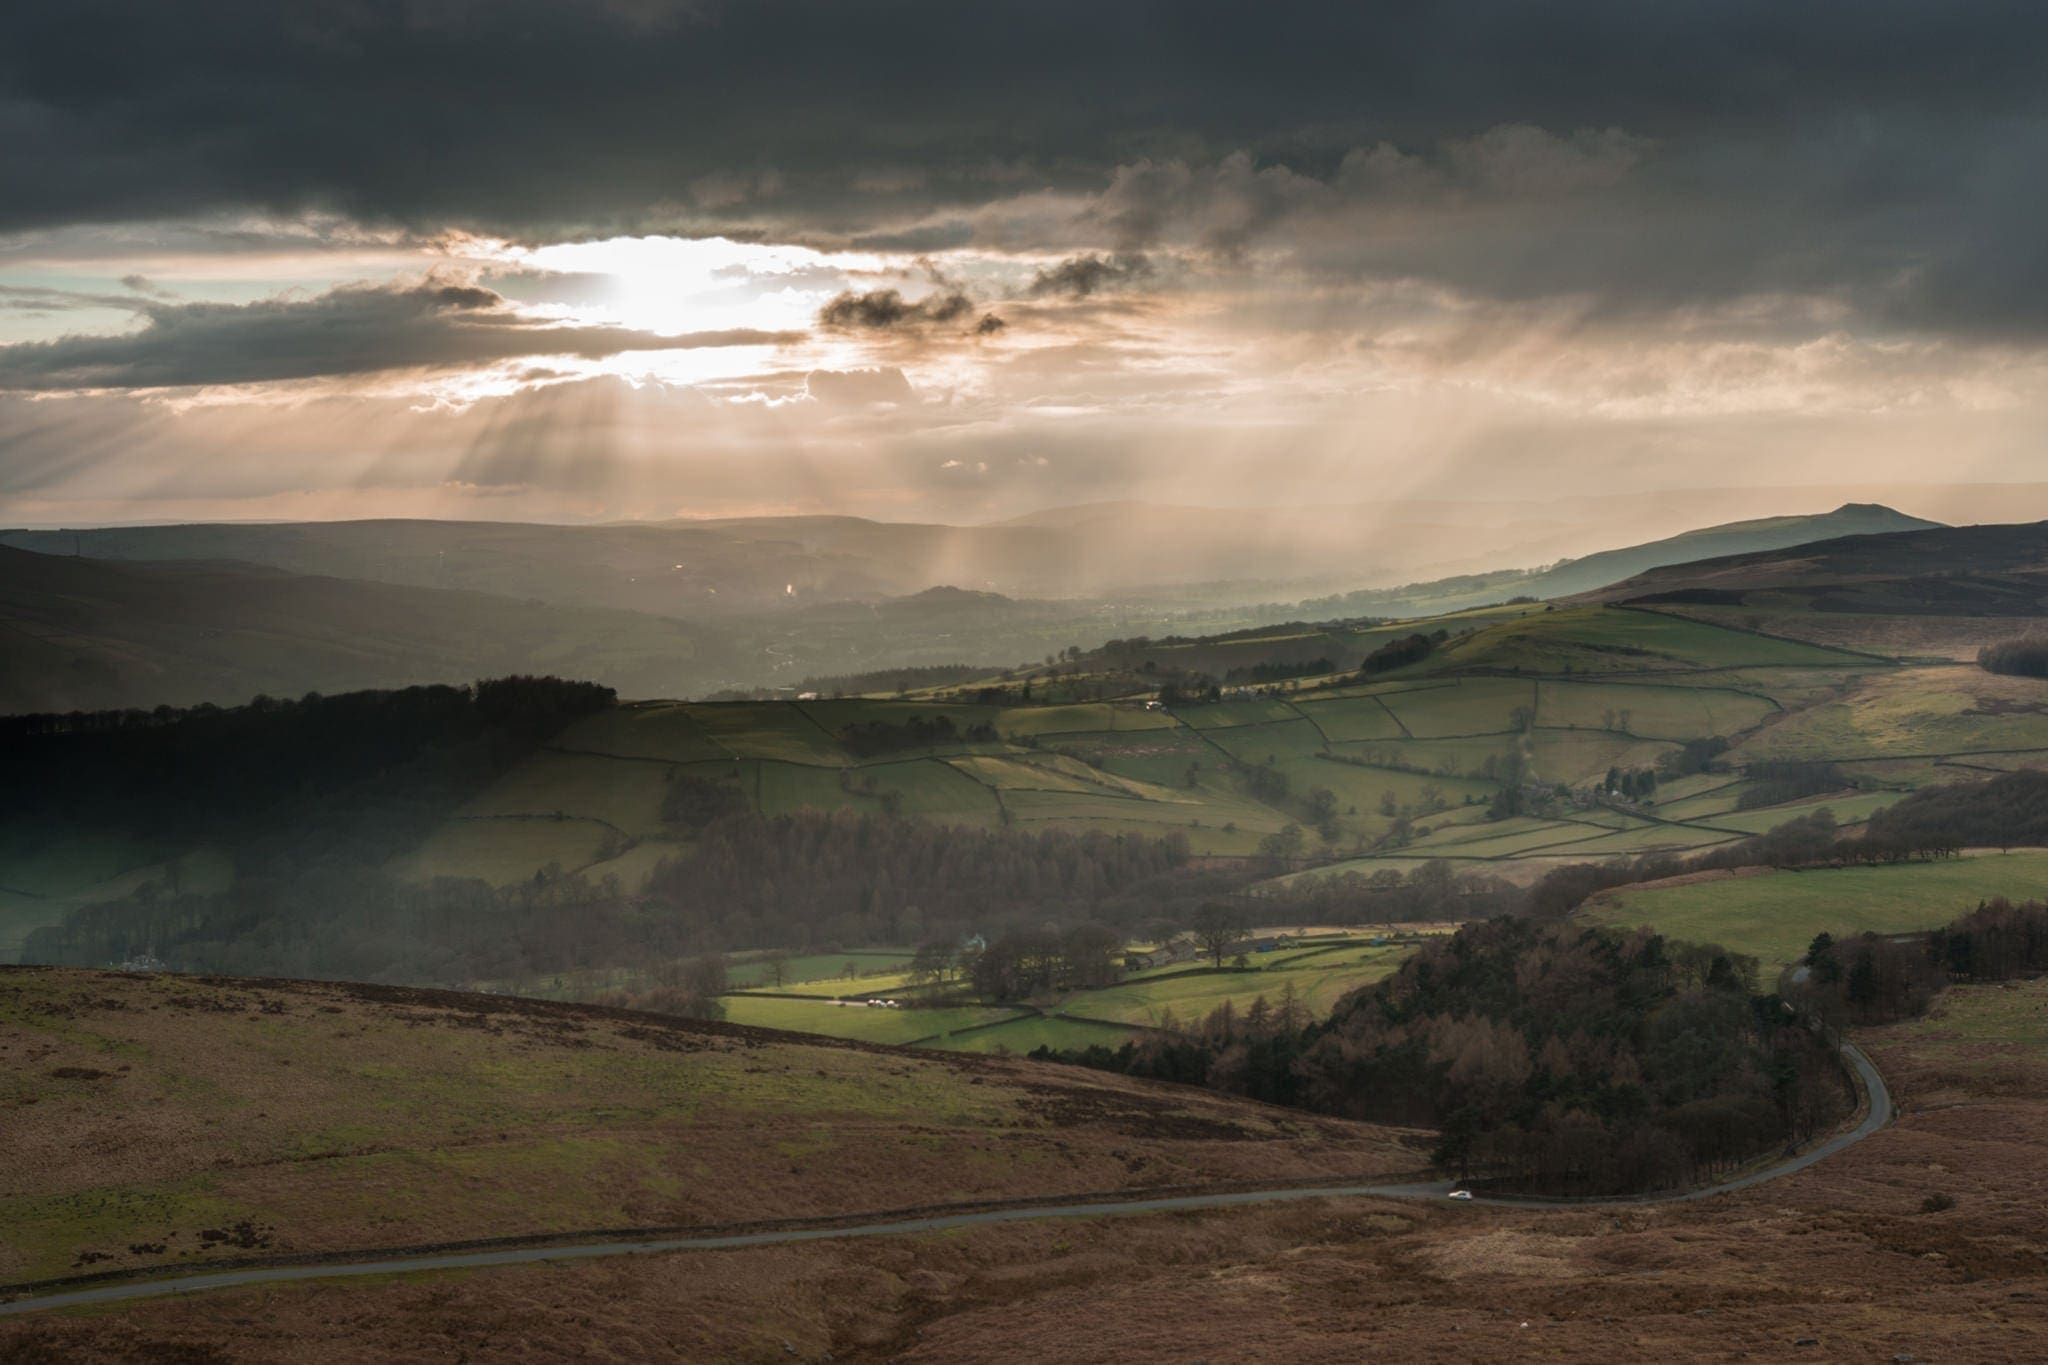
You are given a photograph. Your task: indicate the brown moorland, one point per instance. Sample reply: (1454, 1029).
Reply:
(151, 1121)
(1929, 1241)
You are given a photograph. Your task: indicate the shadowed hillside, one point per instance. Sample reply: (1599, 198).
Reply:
(86, 634)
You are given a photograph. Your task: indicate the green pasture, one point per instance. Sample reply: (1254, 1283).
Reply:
(863, 1023)
(1363, 787)
(1319, 981)
(774, 729)
(1847, 810)
(1691, 799)
(1341, 720)
(1082, 718)
(1648, 711)
(1029, 1032)
(823, 968)
(1775, 915)
(666, 730)
(1908, 712)
(1580, 758)
(625, 795)
(1646, 838)
(1476, 706)
(1436, 757)
(1161, 757)
(1608, 640)
(1256, 744)
(503, 850)
(1228, 715)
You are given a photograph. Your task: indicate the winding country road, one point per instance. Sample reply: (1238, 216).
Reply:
(1878, 1112)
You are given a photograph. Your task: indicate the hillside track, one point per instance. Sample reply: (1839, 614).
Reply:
(1878, 1110)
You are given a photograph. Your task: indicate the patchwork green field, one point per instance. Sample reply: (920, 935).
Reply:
(863, 1023)
(1600, 688)
(819, 997)
(1775, 915)
(1319, 981)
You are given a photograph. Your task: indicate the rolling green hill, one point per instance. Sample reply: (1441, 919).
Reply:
(1409, 764)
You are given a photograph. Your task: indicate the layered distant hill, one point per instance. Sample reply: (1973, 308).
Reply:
(1136, 554)
(1736, 538)
(138, 616)
(1972, 570)
(1595, 571)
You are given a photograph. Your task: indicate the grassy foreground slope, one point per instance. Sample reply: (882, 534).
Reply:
(159, 1120)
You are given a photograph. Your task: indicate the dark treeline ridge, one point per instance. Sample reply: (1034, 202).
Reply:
(1279, 671)
(2025, 657)
(1409, 649)
(1873, 979)
(355, 774)
(1779, 783)
(808, 881)
(2007, 811)
(1551, 1058)
(801, 881)
(867, 738)
(1436, 890)
(1134, 649)
(795, 881)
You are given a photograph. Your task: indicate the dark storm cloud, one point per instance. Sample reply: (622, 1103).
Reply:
(887, 311)
(1078, 277)
(1884, 150)
(347, 331)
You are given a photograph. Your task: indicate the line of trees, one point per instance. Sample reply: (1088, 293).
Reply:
(867, 738)
(281, 783)
(1875, 979)
(2026, 656)
(1774, 784)
(1027, 962)
(1409, 649)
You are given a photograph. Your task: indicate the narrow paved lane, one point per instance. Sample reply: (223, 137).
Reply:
(1878, 1114)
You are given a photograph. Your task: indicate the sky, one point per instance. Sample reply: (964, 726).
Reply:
(959, 261)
